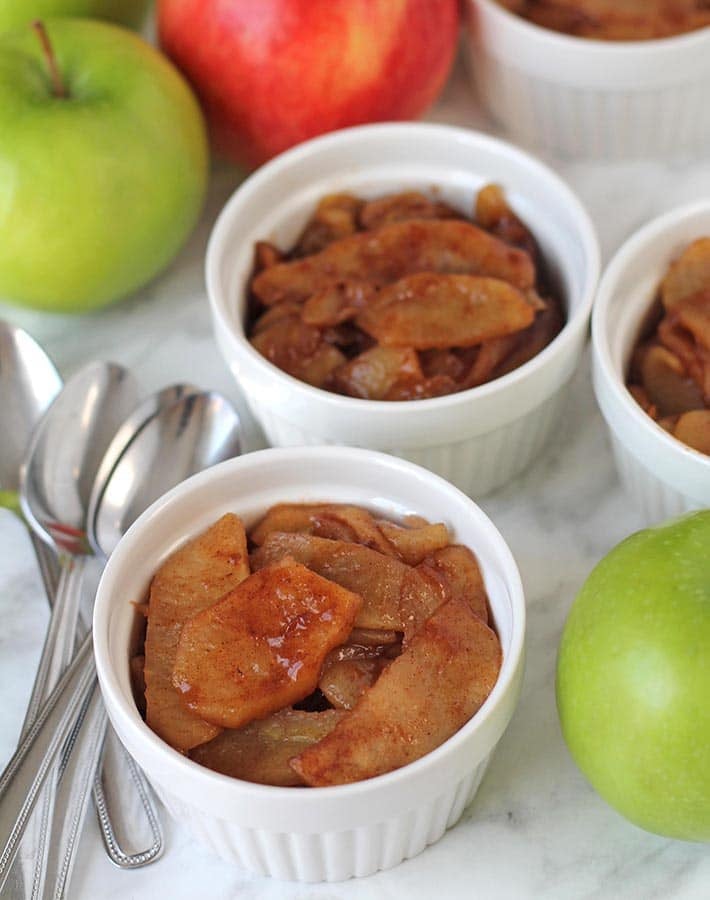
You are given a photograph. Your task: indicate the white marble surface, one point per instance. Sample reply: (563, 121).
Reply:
(536, 829)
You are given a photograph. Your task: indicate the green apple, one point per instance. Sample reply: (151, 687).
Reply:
(633, 678)
(14, 13)
(103, 164)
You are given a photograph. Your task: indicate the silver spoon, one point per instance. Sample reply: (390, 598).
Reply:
(28, 384)
(62, 460)
(130, 784)
(196, 433)
(55, 485)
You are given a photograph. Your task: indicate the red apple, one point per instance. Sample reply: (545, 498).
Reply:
(272, 73)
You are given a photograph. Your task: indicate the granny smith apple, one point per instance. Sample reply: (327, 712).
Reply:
(633, 678)
(14, 13)
(103, 164)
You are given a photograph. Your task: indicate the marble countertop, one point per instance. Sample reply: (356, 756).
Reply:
(535, 829)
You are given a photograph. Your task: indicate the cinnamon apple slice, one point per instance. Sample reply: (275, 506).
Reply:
(428, 311)
(688, 274)
(262, 646)
(393, 252)
(395, 596)
(261, 751)
(421, 699)
(192, 579)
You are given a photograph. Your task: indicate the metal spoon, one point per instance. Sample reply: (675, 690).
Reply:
(62, 460)
(131, 784)
(28, 384)
(196, 433)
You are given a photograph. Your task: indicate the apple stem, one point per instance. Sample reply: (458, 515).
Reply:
(58, 88)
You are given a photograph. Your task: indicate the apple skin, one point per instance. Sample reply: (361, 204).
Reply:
(274, 73)
(14, 13)
(99, 191)
(633, 678)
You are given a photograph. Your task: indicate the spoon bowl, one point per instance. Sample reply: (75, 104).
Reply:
(66, 450)
(29, 382)
(196, 432)
(151, 407)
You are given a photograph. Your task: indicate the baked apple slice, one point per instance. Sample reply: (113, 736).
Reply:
(343, 682)
(393, 252)
(460, 576)
(429, 311)
(262, 646)
(421, 699)
(688, 274)
(192, 579)
(395, 596)
(261, 751)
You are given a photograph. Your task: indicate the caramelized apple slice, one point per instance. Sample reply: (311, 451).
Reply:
(460, 576)
(443, 362)
(428, 310)
(343, 682)
(491, 355)
(262, 646)
(402, 208)
(373, 637)
(189, 581)
(286, 517)
(297, 349)
(644, 401)
(373, 374)
(421, 699)
(689, 274)
(547, 325)
(265, 255)
(335, 217)
(351, 523)
(136, 668)
(337, 303)
(274, 314)
(337, 521)
(693, 428)
(395, 596)
(287, 341)
(666, 383)
(394, 251)
(694, 314)
(421, 388)
(495, 215)
(413, 545)
(260, 752)
(318, 368)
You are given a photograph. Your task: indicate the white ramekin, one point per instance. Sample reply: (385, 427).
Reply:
(664, 476)
(477, 439)
(320, 834)
(585, 98)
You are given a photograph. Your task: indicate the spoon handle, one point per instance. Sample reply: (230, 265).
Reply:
(48, 565)
(84, 754)
(58, 648)
(131, 804)
(57, 653)
(24, 775)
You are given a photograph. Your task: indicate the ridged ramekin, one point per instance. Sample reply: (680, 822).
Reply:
(477, 439)
(575, 97)
(664, 476)
(319, 834)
